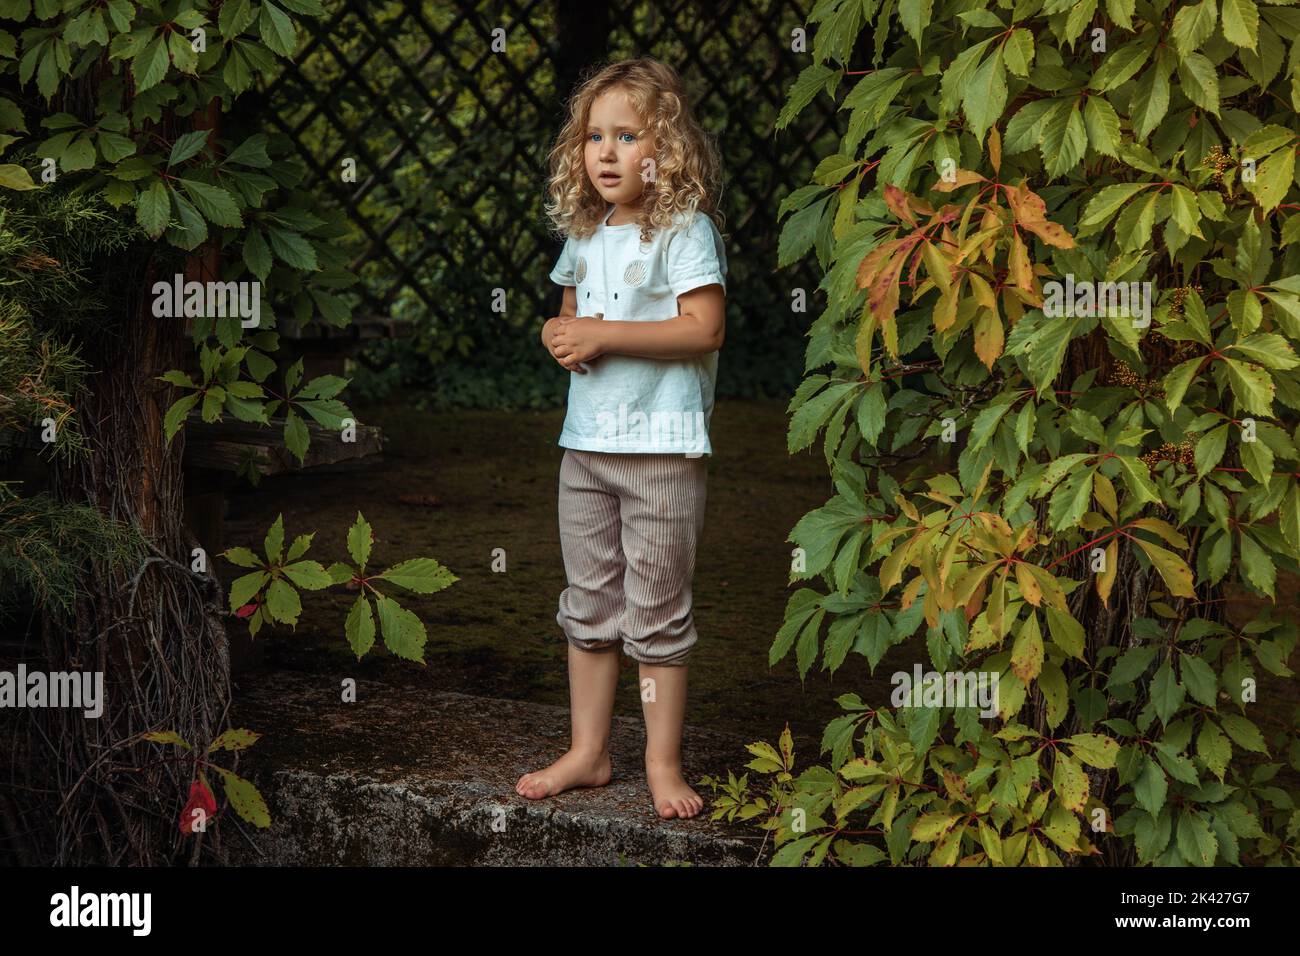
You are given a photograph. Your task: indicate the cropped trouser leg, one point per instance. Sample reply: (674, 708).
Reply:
(629, 524)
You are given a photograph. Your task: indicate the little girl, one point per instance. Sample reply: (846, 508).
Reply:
(644, 274)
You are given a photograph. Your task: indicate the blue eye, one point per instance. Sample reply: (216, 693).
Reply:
(632, 135)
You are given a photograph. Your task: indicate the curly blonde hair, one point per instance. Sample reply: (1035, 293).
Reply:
(688, 168)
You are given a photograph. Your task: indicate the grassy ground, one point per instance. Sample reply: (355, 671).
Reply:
(458, 485)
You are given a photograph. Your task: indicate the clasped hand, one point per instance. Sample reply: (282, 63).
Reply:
(577, 339)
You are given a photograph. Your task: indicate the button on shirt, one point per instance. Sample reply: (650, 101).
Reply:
(627, 403)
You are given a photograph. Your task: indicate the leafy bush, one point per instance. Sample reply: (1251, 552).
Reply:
(1118, 470)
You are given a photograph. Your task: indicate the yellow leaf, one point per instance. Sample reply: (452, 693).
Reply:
(989, 337)
(1027, 652)
(1029, 588)
(1070, 782)
(963, 177)
(1019, 267)
(1106, 579)
(1175, 572)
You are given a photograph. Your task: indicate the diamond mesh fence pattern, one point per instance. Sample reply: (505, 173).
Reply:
(449, 139)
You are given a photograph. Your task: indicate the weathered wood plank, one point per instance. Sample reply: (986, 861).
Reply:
(227, 445)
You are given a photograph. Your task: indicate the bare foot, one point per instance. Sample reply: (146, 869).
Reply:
(574, 769)
(672, 796)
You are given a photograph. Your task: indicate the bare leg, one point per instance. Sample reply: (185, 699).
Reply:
(664, 704)
(593, 679)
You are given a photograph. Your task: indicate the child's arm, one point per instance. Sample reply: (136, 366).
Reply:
(568, 309)
(697, 330)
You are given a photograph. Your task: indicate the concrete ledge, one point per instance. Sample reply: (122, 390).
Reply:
(407, 777)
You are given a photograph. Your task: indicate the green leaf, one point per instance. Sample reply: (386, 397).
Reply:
(1131, 665)
(1102, 123)
(805, 87)
(1018, 51)
(1134, 225)
(1166, 693)
(1196, 842)
(1200, 81)
(242, 589)
(1213, 748)
(1096, 750)
(245, 799)
(283, 603)
(187, 146)
(1067, 633)
(1177, 381)
(1252, 386)
(273, 544)
(153, 209)
(1108, 201)
(292, 249)
(177, 413)
(149, 68)
(421, 575)
(1241, 22)
(360, 627)
(215, 203)
(1256, 565)
(299, 546)
(13, 176)
(1193, 25)
(277, 30)
(252, 151)
(1273, 178)
(1244, 733)
(1151, 788)
(308, 575)
(1138, 478)
(242, 557)
(237, 738)
(1268, 349)
(1123, 62)
(1199, 679)
(296, 436)
(1064, 140)
(915, 16)
(403, 632)
(360, 539)
(193, 229)
(1151, 97)
(986, 96)
(809, 418)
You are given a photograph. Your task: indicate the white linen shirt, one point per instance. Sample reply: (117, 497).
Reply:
(626, 403)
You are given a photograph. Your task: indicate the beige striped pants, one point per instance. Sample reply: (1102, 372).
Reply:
(628, 527)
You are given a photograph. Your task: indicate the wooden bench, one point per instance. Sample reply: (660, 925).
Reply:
(326, 348)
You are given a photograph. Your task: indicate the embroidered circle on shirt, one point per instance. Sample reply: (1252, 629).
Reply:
(635, 273)
(580, 272)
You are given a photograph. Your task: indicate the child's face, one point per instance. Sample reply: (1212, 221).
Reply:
(615, 149)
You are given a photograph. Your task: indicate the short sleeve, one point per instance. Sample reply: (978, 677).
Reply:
(696, 256)
(562, 274)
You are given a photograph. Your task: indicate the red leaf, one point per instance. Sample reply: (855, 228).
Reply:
(200, 798)
(248, 610)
